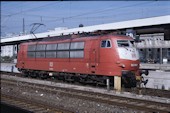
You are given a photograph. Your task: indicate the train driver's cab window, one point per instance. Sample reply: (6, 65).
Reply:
(123, 43)
(105, 43)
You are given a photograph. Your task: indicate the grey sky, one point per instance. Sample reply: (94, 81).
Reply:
(72, 13)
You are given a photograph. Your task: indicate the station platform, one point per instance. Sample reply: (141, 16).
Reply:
(165, 67)
(9, 67)
(158, 79)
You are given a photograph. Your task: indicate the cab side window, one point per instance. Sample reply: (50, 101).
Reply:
(105, 44)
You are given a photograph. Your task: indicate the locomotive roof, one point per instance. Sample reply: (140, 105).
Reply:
(67, 39)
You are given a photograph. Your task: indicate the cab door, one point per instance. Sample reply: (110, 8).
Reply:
(23, 56)
(93, 55)
(20, 57)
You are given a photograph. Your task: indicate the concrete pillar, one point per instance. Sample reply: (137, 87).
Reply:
(117, 83)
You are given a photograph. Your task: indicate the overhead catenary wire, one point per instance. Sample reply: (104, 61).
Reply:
(79, 17)
(33, 9)
(11, 8)
(103, 10)
(92, 18)
(97, 11)
(82, 16)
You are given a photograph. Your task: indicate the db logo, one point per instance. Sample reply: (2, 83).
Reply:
(50, 64)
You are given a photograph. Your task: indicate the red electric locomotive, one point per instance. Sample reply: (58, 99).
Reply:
(90, 59)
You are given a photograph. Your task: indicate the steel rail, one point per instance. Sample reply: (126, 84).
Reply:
(31, 105)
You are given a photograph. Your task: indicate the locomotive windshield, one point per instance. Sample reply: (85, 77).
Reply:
(125, 43)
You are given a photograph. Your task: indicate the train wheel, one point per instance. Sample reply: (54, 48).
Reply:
(33, 74)
(101, 80)
(43, 76)
(82, 80)
(24, 74)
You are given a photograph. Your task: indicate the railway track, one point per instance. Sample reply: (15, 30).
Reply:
(138, 104)
(141, 91)
(30, 105)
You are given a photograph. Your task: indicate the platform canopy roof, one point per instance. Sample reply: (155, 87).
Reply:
(110, 26)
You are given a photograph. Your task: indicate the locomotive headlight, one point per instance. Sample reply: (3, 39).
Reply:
(122, 65)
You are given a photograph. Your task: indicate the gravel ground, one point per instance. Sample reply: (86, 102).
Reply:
(73, 104)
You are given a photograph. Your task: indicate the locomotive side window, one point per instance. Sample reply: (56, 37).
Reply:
(60, 50)
(31, 51)
(105, 44)
(41, 47)
(40, 51)
(63, 46)
(51, 47)
(40, 54)
(63, 50)
(31, 54)
(51, 50)
(76, 54)
(63, 54)
(31, 47)
(50, 54)
(77, 50)
(77, 45)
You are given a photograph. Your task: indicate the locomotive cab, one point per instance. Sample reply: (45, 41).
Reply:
(129, 62)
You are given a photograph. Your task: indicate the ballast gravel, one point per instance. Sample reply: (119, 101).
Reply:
(69, 103)
(73, 104)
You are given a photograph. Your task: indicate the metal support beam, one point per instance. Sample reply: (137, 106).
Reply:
(108, 84)
(13, 50)
(147, 54)
(23, 27)
(167, 33)
(117, 83)
(161, 56)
